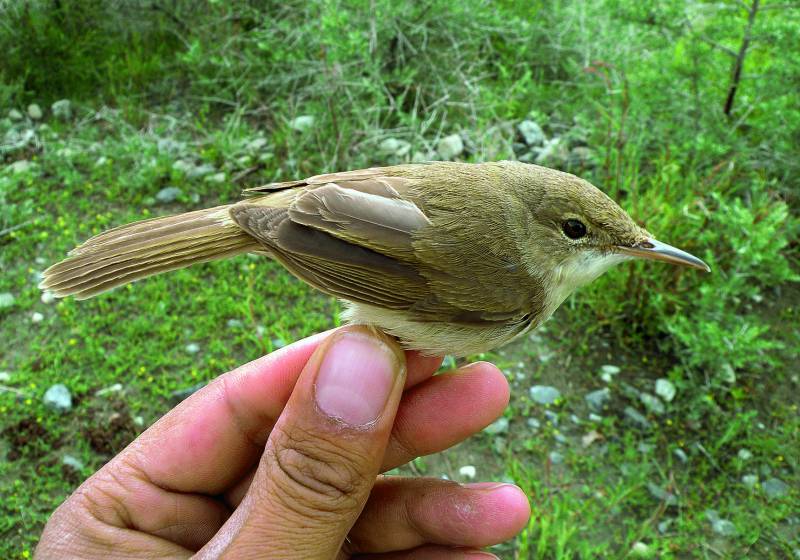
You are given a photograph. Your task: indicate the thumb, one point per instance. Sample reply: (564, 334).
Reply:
(323, 454)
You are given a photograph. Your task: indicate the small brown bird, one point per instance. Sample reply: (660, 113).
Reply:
(451, 258)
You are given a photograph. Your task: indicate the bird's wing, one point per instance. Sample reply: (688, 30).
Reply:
(352, 235)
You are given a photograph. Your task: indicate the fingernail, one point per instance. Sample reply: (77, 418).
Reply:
(356, 377)
(486, 486)
(480, 555)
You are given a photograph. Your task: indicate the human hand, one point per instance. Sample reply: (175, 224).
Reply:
(280, 459)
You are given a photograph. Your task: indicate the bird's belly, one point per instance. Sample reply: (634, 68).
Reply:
(434, 338)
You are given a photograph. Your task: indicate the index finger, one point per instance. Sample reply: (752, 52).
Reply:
(212, 439)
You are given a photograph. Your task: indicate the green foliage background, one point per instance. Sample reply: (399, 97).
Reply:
(643, 84)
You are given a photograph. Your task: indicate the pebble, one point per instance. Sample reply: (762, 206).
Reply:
(591, 437)
(662, 495)
(192, 348)
(138, 421)
(534, 424)
(302, 123)
(7, 300)
(531, 132)
(36, 317)
(636, 417)
(395, 147)
(681, 455)
(652, 403)
(115, 388)
(645, 448)
(62, 109)
(665, 389)
(595, 417)
(234, 324)
(168, 194)
(554, 152)
(217, 178)
(58, 398)
(468, 471)
(641, 550)
(15, 115)
(499, 426)
(596, 400)
(20, 166)
(48, 298)
(72, 462)
(450, 147)
(34, 111)
(551, 416)
(580, 156)
(544, 394)
(555, 458)
(775, 488)
(744, 454)
(5, 377)
(607, 373)
(750, 480)
(278, 343)
(663, 527)
(256, 144)
(719, 525)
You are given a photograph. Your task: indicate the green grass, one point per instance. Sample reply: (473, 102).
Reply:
(219, 87)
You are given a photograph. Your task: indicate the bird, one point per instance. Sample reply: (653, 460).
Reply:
(448, 257)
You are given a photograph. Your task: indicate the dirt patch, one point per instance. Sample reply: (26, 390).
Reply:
(28, 438)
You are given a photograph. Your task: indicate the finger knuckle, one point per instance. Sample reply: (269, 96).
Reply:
(316, 474)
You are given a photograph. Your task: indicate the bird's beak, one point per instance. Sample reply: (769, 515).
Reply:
(658, 251)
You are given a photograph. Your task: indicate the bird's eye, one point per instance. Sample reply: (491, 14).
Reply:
(574, 229)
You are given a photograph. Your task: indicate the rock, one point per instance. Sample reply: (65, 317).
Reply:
(591, 437)
(560, 438)
(395, 147)
(468, 471)
(192, 348)
(499, 426)
(72, 462)
(555, 152)
(20, 166)
(216, 178)
(519, 148)
(551, 416)
(641, 550)
(5, 377)
(665, 389)
(596, 418)
(138, 421)
(278, 343)
(544, 394)
(652, 403)
(58, 398)
(681, 455)
(422, 157)
(36, 317)
(555, 458)
(750, 480)
(662, 495)
(775, 488)
(47, 298)
(719, 525)
(663, 527)
(168, 194)
(645, 448)
(534, 424)
(636, 418)
(256, 144)
(302, 123)
(15, 115)
(450, 147)
(728, 374)
(35, 112)
(580, 156)
(171, 146)
(596, 400)
(115, 388)
(7, 300)
(531, 132)
(745, 454)
(607, 372)
(179, 395)
(234, 324)
(62, 109)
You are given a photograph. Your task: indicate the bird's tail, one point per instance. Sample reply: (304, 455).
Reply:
(133, 251)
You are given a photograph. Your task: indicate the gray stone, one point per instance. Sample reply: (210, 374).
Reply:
(34, 111)
(15, 115)
(278, 343)
(36, 317)
(662, 495)
(47, 298)
(681, 455)
(302, 123)
(555, 152)
(468, 472)
(216, 178)
(641, 550)
(171, 146)
(636, 418)
(499, 426)
(168, 194)
(663, 527)
(192, 348)
(115, 388)
(179, 395)
(531, 132)
(534, 424)
(20, 166)
(58, 398)
(596, 400)
(450, 147)
(775, 488)
(645, 448)
(551, 416)
(72, 462)
(256, 144)
(665, 389)
(555, 458)
(750, 480)
(422, 157)
(728, 374)
(608, 372)
(595, 417)
(719, 525)
(544, 394)
(234, 324)
(652, 403)
(138, 421)
(744, 454)
(62, 109)
(395, 147)
(5, 377)
(580, 156)
(7, 300)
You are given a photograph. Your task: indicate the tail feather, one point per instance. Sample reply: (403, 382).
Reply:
(134, 251)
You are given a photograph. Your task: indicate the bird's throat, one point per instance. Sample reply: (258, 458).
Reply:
(578, 270)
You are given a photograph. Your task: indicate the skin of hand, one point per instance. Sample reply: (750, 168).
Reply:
(281, 457)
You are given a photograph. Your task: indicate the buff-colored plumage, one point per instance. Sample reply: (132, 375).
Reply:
(449, 257)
